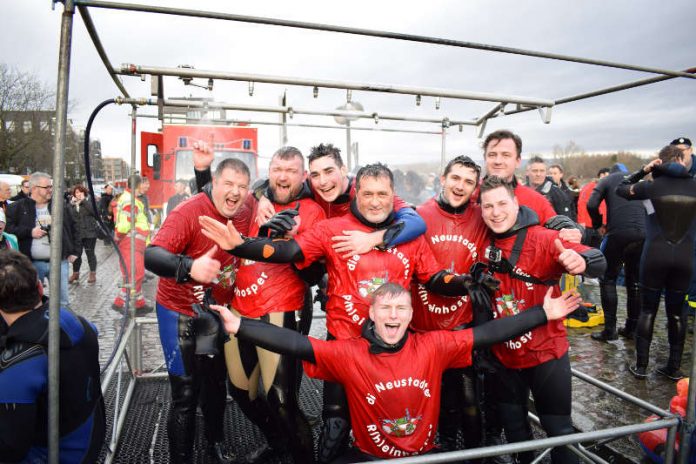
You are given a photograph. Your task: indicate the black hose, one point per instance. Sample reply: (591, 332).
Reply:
(100, 223)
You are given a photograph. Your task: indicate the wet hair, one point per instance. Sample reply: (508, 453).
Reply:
(80, 188)
(288, 153)
(235, 164)
(389, 289)
(537, 159)
(670, 153)
(503, 134)
(464, 161)
(557, 166)
(493, 182)
(322, 150)
(134, 181)
(18, 283)
(34, 178)
(374, 170)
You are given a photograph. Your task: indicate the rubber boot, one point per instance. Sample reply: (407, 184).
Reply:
(74, 277)
(676, 333)
(517, 428)
(650, 302)
(334, 438)
(632, 311)
(181, 423)
(607, 289)
(92, 278)
(554, 426)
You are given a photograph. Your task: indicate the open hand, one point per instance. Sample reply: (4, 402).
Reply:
(355, 242)
(226, 236)
(557, 308)
(230, 321)
(570, 259)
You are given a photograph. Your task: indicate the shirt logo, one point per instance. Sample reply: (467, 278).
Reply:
(401, 427)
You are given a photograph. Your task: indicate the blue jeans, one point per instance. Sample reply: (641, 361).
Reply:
(43, 269)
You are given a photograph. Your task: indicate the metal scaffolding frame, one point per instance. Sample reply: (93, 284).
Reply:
(501, 101)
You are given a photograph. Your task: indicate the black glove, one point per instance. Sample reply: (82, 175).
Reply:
(559, 222)
(479, 274)
(280, 224)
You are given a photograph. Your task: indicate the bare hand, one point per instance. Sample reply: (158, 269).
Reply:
(570, 235)
(37, 232)
(229, 320)
(205, 268)
(226, 236)
(202, 156)
(570, 259)
(264, 211)
(651, 165)
(72, 258)
(558, 308)
(355, 242)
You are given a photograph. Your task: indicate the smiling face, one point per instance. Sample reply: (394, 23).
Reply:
(328, 180)
(391, 314)
(285, 177)
(458, 185)
(230, 188)
(502, 158)
(374, 198)
(499, 209)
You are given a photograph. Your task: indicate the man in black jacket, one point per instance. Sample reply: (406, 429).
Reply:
(23, 191)
(29, 220)
(105, 211)
(539, 181)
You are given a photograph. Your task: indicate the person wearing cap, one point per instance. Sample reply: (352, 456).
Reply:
(684, 144)
(7, 241)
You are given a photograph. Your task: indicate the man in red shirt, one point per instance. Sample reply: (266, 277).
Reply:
(455, 234)
(528, 260)
(273, 293)
(190, 265)
(392, 377)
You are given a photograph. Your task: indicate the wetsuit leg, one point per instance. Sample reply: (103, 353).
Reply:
(550, 383)
(511, 391)
(178, 344)
(650, 299)
(677, 319)
(631, 268)
(451, 413)
(336, 428)
(280, 383)
(612, 247)
(213, 395)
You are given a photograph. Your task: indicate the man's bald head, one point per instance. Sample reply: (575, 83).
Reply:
(5, 191)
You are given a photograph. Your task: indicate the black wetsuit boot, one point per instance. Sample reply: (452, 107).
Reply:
(676, 333)
(632, 311)
(607, 288)
(181, 423)
(650, 303)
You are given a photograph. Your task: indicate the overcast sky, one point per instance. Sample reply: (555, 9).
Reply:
(648, 33)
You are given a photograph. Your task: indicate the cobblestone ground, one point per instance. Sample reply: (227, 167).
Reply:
(592, 408)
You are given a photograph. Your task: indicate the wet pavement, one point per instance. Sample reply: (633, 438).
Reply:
(592, 408)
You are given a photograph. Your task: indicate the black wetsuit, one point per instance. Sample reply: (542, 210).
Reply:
(667, 258)
(622, 245)
(24, 389)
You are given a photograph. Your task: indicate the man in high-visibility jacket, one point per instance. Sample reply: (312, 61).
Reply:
(123, 238)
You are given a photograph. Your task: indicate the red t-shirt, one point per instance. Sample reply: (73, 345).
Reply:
(181, 234)
(537, 259)
(457, 241)
(342, 207)
(584, 215)
(393, 398)
(352, 280)
(261, 288)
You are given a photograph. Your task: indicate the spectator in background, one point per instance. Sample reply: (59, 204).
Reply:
(556, 172)
(179, 195)
(7, 241)
(584, 218)
(539, 181)
(5, 193)
(23, 191)
(105, 210)
(85, 218)
(414, 189)
(142, 196)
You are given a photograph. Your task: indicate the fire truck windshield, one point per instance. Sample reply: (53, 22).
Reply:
(184, 162)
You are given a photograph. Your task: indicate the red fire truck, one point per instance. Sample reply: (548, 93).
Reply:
(167, 156)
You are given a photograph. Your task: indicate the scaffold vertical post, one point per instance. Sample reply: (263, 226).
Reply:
(132, 297)
(443, 152)
(687, 427)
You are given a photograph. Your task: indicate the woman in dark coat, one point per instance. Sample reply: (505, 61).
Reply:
(85, 220)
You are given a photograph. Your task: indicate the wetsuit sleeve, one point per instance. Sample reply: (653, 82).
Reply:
(276, 339)
(599, 193)
(202, 178)
(16, 430)
(167, 264)
(448, 284)
(499, 330)
(269, 250)
(641, 190)
(409, 225)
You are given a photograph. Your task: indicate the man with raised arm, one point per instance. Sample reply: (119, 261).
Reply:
(191, 266)
(392, 377)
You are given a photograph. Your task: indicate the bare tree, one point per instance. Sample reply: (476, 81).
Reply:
(26, 125)
(570, 149)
